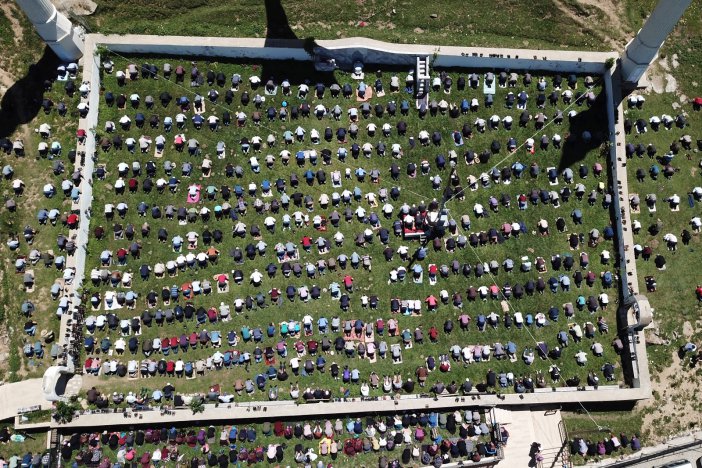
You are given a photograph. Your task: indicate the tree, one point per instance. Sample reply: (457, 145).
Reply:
(197, 405)
(64, 412)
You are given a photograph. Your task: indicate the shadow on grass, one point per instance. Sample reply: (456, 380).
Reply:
(575, 148)
(278, 34)
(21, 103)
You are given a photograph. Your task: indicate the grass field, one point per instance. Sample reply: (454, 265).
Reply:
(34, 442)
(291, 445)
(674, 299)
(374, 282)
(615, 423)
(395, 21)
(34, 176)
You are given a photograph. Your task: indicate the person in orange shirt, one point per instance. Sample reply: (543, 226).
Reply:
(212, 254)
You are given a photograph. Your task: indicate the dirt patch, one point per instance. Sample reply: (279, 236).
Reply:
(9, 10)
(4, 348)
(6, 80)
(77, 7)
(675, 403)
(615, 32)
(614, 12)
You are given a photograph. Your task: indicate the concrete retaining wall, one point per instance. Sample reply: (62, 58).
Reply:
(348, 51)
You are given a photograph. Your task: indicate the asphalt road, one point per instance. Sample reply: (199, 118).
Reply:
(691, 455)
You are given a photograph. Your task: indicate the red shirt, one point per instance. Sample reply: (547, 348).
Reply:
(348, 281)
(306, 241)
(72, 218)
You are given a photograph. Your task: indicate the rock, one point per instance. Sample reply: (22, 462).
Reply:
(688, 329)
(671, 84)
(664, 64)
(77, 7)
(653, 339)
(433, 15)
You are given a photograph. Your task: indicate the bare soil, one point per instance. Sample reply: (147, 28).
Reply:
(675, 404)
(7, 78)
(614, 34)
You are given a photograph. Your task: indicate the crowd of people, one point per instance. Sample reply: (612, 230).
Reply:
(605, 447)
(193, 229)
(426, 438)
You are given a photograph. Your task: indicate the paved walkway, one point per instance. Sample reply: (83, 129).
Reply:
(21, 395)
(83, 206)
(526, 426)
(286, 409)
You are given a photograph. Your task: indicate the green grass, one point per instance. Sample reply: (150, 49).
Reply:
(35, 171)
(34, 442)
(580, 425)
(674, 301)
(375, 281)
(397, 21)
(6, 33)
(363, 459)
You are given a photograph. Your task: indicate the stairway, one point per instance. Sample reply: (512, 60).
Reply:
(53, 445)
(421, 80)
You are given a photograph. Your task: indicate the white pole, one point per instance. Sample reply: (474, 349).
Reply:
(56, 30)
(641, 51)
